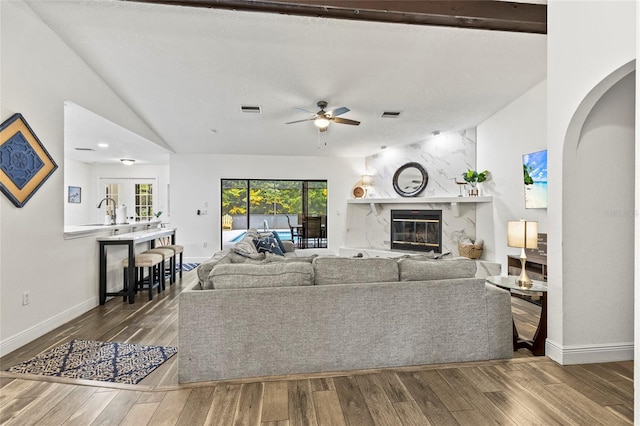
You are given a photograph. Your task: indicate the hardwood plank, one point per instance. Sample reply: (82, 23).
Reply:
(68, 406)
(536, 406)
(482, 381)
(223, 406)
(117, 409)
(322, 384)
(393, 387)
(196, 409)
(88, 412)
(275, 405)
(354, 407)
(13, 407)
(427, 400)
(624, 412)
(301, 409)
(42, 405)
(410, 414)
(170, 407)
(450, 397)
(276, 423)
(515, 409)
(140, 414)
(249, 404)
(567, 395)
(476, 399)
(571, 411)
(327, 407)
(380, 408)
(13, 389)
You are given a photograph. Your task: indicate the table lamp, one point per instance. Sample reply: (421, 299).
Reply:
(524, 235)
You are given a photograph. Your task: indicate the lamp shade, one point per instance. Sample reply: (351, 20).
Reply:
(522, 234)
(321, 122)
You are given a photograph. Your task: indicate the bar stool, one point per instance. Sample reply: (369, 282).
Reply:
(177, 250)
(143, 260)
(167, 255)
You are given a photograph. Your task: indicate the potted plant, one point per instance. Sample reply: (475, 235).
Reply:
(473, 178)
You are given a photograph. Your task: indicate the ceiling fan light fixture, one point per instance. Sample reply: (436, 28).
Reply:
(321, 122)
(127, 161)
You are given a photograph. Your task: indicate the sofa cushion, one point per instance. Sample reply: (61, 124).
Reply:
(420, 270)
(277, 274)
(203, 270)
(341, 270)
(268, 245)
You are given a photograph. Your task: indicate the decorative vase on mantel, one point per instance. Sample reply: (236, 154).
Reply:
(474, 191)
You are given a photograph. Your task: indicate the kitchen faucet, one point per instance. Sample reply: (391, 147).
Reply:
(113, 212)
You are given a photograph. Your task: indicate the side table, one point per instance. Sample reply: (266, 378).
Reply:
(510, 283)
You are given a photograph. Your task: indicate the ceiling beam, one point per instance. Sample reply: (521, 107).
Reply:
(478, 14)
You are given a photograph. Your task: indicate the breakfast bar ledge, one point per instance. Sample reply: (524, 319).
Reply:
(130, 240)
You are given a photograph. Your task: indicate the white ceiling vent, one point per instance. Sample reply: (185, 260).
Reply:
(390, 114)
(84, 149)
(250, 109)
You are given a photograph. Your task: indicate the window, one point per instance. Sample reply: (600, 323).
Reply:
(136, 194)
(266, 204)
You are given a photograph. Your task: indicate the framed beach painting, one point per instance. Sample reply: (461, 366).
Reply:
(534, 167)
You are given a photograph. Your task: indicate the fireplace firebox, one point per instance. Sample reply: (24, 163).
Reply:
(416, 230)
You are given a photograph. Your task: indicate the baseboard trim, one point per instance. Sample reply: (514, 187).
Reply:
(18, 340)
(588, 354)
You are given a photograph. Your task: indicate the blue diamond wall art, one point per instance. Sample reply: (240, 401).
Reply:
(24, 162)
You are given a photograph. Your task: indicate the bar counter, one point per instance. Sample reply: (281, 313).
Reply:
(130, 240)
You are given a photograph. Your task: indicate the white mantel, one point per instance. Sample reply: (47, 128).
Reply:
(454, 201)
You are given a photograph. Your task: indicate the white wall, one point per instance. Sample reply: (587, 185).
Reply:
(591, 46)
(77, 173)
(517, 129)
(38, 73)
(195, 185)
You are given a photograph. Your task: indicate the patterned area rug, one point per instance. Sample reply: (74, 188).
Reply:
(104, 361)
(189, 266)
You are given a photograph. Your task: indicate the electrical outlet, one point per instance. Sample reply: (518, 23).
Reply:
(26, 298)
(204, 244)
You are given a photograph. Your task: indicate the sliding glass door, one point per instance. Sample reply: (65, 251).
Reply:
(277, 205)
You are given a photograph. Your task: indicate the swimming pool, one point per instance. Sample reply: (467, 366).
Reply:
(284, 235)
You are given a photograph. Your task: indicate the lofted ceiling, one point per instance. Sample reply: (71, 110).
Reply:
(187, 71)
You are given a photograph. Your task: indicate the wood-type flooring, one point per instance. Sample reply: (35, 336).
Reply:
(525, 390)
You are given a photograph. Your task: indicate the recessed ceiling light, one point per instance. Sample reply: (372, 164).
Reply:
(383, 147)
(103, 145)
(435, 133)
(127, 161)
(390, 114)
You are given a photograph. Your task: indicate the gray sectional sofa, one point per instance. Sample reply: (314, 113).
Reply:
(295, 315)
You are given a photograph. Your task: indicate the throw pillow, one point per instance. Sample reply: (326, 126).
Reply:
(274, 235)
(267, 244)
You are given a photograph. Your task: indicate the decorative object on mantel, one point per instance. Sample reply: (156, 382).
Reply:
(410, 179)
(473, 178)
(470, 249)
(24, 162)
(358, 192)
(524, 235)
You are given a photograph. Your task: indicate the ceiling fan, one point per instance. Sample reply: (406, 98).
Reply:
(322, 118)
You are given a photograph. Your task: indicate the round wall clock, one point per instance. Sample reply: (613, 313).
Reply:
(358, 192)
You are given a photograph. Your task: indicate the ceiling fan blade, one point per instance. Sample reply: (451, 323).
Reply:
(345, 121)
(338, 111)
(303, 110)
(300, 121)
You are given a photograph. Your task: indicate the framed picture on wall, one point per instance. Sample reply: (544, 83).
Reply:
(75, 194)
(534, 167)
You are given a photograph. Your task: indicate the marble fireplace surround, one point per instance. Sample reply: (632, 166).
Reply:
(445, 157)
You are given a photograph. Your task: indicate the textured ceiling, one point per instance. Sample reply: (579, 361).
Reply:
(187, 71)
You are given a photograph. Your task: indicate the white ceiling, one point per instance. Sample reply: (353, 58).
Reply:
(186, 72)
